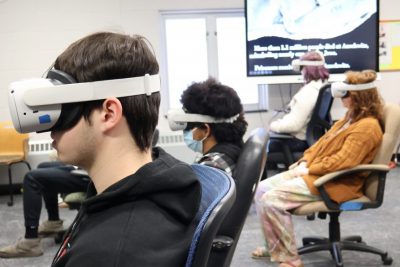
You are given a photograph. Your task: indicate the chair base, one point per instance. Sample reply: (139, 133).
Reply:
(355, 243)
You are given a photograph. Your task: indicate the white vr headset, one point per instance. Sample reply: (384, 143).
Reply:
(178, 119)
(340, 89)
(298, 63)
(42, 104)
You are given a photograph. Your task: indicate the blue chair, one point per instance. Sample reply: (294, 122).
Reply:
(217, 197)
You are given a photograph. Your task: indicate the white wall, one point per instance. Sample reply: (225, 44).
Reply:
(33, 33)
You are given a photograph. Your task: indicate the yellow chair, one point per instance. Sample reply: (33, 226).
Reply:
(13, 150)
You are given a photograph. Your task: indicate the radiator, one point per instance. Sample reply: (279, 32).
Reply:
(40, 147)
(172, 142)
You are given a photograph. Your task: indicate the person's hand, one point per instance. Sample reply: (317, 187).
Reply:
(299, 170)
(302, 165)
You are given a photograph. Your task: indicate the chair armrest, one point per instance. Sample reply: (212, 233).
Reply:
(280, 135)
(360, 168)
(79, 172)
(381, 169)
(222, 242)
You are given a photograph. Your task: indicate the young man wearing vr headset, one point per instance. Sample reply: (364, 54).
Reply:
(142, 202)
(213, 123)
(351, 141)
(315, 75)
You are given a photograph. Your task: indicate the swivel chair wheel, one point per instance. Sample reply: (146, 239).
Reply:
(387, 260)
(311, 217)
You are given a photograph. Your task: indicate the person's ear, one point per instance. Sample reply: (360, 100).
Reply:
(207, 130)
(111, 113)
(201, 133)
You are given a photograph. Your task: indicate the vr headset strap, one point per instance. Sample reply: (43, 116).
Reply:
(82, 92)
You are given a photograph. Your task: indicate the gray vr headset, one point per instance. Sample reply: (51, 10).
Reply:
(44, 104)
(178, 119)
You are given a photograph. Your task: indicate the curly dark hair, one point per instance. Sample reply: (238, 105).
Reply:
(220, 101)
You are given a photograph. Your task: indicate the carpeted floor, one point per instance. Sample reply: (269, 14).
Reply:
(379, 227)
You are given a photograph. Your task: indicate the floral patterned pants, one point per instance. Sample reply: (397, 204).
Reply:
(274, 199)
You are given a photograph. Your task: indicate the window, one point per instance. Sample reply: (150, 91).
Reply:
(207, 43)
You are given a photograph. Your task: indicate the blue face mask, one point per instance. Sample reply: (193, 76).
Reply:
(196, 146)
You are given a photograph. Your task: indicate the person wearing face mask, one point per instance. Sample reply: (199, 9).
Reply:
(221, 140)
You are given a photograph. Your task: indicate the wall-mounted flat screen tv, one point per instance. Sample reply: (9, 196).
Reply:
(278, 31)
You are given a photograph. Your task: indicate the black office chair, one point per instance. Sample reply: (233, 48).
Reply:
(319, 123)
(247, 174)
(217, 197)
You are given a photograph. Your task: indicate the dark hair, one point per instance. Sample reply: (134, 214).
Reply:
(220, 101)
(314, 73)
(106, 56)
(365, 103)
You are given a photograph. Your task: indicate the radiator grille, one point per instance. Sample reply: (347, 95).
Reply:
(40, 146)
(170, 139)
(165, 139)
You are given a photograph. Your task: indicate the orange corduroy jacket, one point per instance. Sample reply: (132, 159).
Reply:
(337, 150)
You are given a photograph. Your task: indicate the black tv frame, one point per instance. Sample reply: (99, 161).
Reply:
(289, 76)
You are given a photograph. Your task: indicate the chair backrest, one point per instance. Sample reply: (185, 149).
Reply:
(156, 136)
(12, 142)
(247, 174)
(391, 125)
(320, 120)
(217, 197)
(319, 123)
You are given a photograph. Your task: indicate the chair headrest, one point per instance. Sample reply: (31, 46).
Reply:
(391, 120)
